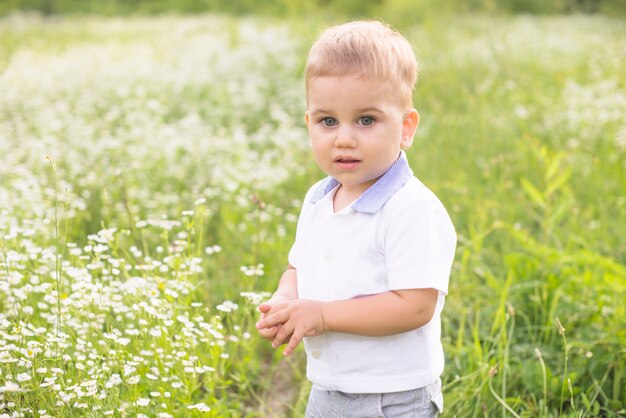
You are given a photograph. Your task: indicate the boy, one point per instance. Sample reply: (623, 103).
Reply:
(369, 267)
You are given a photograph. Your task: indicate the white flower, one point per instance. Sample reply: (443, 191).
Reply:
(23, 377)
(255, 298)
(142, 402)
(227, 306)
(114, 380)
(9, 387)
(133, 380)
(123, 341)
(202, 407)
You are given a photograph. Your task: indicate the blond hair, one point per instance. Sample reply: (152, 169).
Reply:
(367, 49)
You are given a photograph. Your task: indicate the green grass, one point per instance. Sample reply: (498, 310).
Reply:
(180, 161)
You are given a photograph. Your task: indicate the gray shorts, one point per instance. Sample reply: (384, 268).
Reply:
(424, 402)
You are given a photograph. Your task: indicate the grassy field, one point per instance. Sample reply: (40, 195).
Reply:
(151, 174)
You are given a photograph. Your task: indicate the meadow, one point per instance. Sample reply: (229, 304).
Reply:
(151, 175)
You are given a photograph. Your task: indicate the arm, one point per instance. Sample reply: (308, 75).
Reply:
(287, 286)
(388, 313)
(379, 315)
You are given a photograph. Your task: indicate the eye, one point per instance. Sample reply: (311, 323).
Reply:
(328, 122)
(366, 121)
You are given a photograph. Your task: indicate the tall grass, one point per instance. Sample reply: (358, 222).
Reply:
(182, 158)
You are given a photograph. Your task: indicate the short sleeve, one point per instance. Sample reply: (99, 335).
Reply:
(419, 245)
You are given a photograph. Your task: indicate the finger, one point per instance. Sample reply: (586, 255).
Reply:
(283, 333)
(268, 333)
(264, 307)
(293, 343)
(273, 320)
(277, 308)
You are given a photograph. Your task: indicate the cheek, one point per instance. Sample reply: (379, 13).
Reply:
(318, 147)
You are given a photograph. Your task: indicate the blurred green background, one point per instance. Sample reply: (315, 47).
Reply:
(399, 12)
(522, 136)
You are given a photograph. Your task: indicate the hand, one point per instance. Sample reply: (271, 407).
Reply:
(266, 308)
(295, 320)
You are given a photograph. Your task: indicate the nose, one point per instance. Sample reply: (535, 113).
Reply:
(345, 137)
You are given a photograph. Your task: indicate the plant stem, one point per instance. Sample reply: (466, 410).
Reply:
(545, 381)
(57, 267)
(499, 399)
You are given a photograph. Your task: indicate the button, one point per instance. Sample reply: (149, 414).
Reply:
(316, 354)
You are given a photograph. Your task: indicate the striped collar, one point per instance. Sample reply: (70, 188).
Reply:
(378, 193)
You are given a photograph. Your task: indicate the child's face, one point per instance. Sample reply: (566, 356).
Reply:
(357, 127)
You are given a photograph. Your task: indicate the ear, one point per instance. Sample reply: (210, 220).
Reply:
(409, 125)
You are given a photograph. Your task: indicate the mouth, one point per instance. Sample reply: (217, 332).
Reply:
(346, 163)
(347, 160)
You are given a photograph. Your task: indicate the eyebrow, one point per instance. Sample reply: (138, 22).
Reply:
(364, 110)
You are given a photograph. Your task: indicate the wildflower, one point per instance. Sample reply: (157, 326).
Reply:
(227, 306)
(202, 407)
(123, 341)
(142, 402)
(133, 380)
(23, 377)
(213, 249)
(9, 387)
(114, 380)
(255, 298)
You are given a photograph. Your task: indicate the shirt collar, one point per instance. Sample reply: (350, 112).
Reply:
(378, 193)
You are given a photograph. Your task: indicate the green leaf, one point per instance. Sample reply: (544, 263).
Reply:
(534, 193)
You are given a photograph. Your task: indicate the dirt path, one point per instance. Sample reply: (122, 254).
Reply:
(284, 390)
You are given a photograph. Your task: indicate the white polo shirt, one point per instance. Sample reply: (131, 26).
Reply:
(396, 235)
